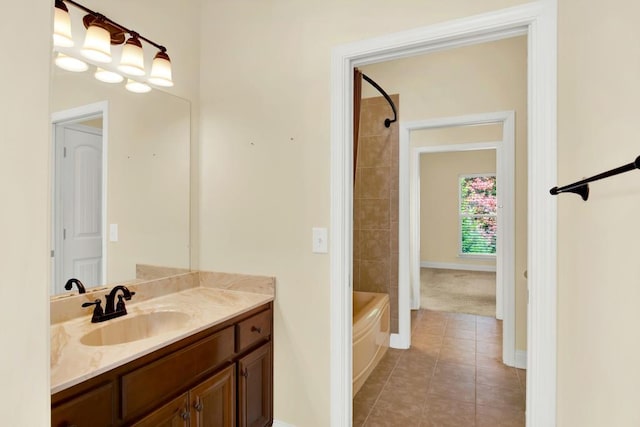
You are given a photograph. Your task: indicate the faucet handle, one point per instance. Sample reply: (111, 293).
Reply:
(97, 311)
(120, 305)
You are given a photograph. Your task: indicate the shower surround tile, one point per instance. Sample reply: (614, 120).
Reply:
(375, 204)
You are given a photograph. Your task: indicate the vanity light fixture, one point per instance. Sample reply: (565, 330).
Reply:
(102, 33)
(161, 70)
(107, 76)
(97, 43)
(62, 26)
(70, 63)
(137, 87)
(132, 60)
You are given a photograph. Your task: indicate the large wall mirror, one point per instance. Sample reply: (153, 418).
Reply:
(120, 181)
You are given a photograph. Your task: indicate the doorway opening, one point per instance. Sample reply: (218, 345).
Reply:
(501, 124)
(79, 196)
(538, 21)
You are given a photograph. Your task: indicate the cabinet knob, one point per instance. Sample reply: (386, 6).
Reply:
(185, 415)
(256, 329)
(244, 372)
(198, 406)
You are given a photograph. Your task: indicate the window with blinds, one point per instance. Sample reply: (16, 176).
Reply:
(478, 214)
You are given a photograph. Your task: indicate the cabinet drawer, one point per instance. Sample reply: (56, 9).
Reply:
(254, 329)
(91, 409)
(144, 387)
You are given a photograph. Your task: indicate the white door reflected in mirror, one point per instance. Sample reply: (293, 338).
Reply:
(78, 201)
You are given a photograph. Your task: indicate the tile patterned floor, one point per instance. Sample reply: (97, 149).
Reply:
(451, 376)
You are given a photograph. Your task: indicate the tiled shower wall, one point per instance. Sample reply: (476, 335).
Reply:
(375, 204)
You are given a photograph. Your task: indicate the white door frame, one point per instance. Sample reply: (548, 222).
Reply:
(539, 21)
(505, 239)
(75, 115)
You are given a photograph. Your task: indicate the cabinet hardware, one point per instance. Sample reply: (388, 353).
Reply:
(244, 372)
(256, 329)
(198, 406)
(185, 415)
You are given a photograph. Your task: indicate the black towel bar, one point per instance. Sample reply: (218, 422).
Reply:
(582, 187)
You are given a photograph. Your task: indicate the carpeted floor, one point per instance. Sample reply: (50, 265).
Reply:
(458, 291)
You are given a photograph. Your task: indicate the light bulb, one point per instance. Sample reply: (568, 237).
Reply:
(132, 60)
(70, 63)
(137, 87)
(62, 26)
(97, 44)
(108, 76)
(161, 70)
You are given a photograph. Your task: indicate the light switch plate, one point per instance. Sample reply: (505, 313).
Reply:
(320, 240)
(113, 232)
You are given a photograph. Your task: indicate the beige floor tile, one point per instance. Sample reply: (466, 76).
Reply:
(489, 361)
(448, 413)
(459, 344)
(489, 348)
(499, 417)
(414, 382)
(451, 390)
(453, 372)
(384, 417)
(453, 355)
(500, 397)
(504, 377)
(522, 376)
(489, 337)
(368, 393)
(453, 375)
(460, 333)
(360, 414)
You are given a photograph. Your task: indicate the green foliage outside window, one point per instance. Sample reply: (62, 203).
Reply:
(478, 215)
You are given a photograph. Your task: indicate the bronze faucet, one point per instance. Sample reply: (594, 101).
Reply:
(112, 310)
(78, 283)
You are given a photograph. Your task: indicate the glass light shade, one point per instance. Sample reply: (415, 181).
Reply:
(70, 63)
(132, 60)
(62, 26)
(161, 70)
(97, 44)
(137, 87)
(108, 76)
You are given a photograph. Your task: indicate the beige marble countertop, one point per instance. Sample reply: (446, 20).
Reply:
(73, 362)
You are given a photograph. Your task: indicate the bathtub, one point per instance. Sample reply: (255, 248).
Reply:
(370, 334)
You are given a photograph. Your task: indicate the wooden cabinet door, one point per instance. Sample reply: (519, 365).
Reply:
(91, 409)
(173, 414)
(213, 402)
(255, 385)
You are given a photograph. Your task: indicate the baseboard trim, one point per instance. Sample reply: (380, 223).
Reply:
(277, 423)
(399, 341)
(454, 266)
(521, 359)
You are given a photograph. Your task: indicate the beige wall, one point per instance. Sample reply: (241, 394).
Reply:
(264, 158)
(598, 281)
(439, 203)
(260, 201)
(442, 84)
(25, 183)
(24, 186)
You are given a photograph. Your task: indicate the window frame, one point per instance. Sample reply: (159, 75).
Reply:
(461, 215)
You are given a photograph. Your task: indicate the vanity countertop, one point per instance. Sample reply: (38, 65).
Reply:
(73, 362)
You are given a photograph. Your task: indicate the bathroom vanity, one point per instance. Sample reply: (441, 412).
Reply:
(214, 369)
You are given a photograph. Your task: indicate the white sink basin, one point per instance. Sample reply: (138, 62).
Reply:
(134, 327)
